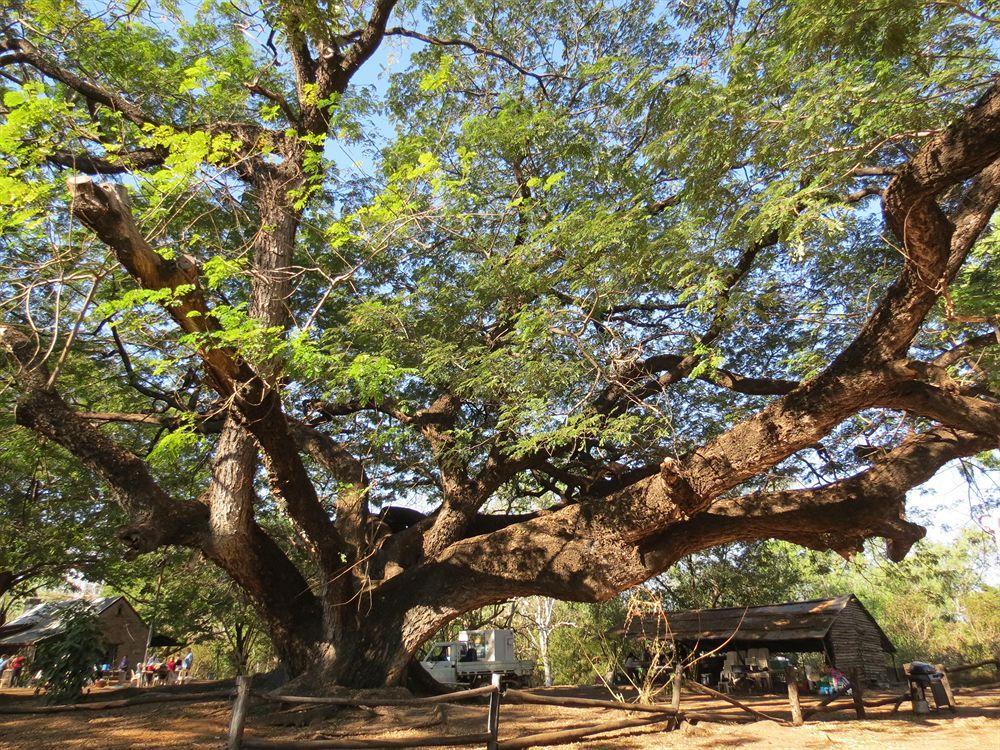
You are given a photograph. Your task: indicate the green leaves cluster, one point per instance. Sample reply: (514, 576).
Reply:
(68, 660)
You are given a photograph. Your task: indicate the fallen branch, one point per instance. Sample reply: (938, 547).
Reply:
(565, 736)
(889, 701)
(521, 696)
(120, 703)
(444, 740)
(807, 712)
(704, 689)
(376, 701)
(975, 688)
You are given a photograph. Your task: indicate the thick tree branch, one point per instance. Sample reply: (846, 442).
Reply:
(25, 52)
(945, 405)
(369, 38)
(118, 163)
(959, 352)
(157, 518)
(957, 153)
(932, 245)
(352, 513)
(103, 209)
(559, 555)
(838, 516)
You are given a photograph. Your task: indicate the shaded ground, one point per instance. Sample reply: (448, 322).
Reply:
(203, 725)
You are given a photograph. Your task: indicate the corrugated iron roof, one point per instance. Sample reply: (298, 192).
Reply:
(43, 621)
(775, 623)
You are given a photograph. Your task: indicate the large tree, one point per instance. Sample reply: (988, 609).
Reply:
(623, 273)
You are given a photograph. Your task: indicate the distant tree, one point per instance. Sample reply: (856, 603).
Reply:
(192, 601)
(686, 274)
(538, 617)
(736, 575)
(930, 605)
(588, 651)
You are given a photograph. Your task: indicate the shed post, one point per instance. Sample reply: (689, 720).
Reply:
(239, 713)
(493, 717)
(857, 691)
(675, 695)
(792, 678)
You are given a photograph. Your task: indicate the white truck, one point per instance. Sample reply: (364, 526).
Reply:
(475, 657)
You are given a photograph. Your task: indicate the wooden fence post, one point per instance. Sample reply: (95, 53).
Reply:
(946, 684)
(792, 678)
(493, 718)
(857, 691)
(239, 712)
(675, 696)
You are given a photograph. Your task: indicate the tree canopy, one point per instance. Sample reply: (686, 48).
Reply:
(572, 291)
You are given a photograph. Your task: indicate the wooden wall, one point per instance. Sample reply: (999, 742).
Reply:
(124, 633)
(855, 641)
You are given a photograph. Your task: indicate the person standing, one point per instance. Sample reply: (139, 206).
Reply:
(186, 663)
(16, 667)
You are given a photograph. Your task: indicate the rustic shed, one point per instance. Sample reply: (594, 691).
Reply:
(124, 632)
(841, 628)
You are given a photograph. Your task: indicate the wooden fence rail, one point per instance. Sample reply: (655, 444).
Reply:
(488, 738)
(361, 701)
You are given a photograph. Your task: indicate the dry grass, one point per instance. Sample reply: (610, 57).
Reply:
(175, 725)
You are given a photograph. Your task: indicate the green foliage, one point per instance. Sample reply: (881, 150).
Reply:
(191, 601)
(468, 227)
(583, 653)
(743, 575)
(68, 660)
(54, 519)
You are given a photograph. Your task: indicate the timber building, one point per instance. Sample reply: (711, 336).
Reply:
(123, 631)
(842, 629)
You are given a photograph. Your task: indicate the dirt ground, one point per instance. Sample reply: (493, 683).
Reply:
(203, 725)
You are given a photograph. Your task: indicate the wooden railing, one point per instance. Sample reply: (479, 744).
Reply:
(237, 740)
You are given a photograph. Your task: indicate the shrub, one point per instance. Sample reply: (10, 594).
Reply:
(67, 660)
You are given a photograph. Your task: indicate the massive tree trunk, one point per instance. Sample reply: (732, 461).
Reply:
(363, 590)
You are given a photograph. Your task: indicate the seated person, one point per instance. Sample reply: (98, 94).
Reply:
(470, 654)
